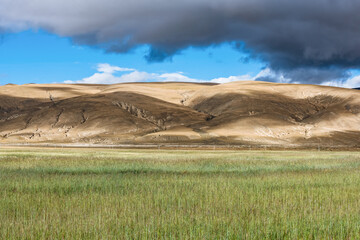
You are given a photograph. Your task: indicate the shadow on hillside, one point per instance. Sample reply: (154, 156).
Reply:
(228, 108)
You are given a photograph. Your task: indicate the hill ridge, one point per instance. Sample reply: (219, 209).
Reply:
(249, 113)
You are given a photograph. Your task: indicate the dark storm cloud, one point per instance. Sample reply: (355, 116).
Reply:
(308, 40)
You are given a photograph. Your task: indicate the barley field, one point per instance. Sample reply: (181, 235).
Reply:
(178, 194)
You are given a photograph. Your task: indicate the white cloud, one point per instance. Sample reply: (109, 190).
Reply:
(352, 82)
(175, 77)
(107, 68)
(272, 76)
(232, 79)
(107, 75)
(269, 75)
(109, 78)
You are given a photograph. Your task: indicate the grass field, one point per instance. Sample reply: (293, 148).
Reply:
(165, 194)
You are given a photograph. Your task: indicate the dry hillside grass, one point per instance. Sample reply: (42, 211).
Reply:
(250, 113)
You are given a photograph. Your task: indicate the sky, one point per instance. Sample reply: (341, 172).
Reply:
(111, 41)
(41, 57)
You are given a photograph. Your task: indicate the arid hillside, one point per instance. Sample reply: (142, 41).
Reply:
(238, 113)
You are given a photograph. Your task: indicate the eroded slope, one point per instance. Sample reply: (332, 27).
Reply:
(186, 113)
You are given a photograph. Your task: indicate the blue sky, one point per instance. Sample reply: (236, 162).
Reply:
(40, 57)
(307, 41)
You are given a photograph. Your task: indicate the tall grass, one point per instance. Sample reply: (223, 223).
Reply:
(152, 194)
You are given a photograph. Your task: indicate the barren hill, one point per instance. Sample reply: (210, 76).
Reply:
(241, 113)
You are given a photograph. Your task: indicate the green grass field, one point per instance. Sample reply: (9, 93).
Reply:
(165, 194)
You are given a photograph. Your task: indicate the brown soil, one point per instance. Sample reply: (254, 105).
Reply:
(238, 113)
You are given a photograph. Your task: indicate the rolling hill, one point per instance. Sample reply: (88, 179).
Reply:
(239, 113)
